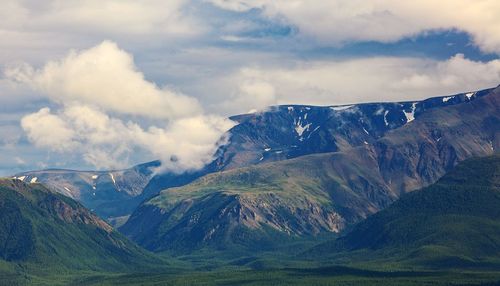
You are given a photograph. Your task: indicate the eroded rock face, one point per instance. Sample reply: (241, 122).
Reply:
(299, 217)
(72, 214)
(217, 220)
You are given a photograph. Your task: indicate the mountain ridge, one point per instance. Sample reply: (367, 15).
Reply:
(258, 138)
(347, 186)
(42, 229)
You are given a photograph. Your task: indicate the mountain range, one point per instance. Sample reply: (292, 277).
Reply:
(279, 133)
(323, 192)
(370, 187)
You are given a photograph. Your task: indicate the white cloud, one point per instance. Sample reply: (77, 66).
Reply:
(49, 131)
(250, 95)
(358, 80)
(339, 21)
(106, 142)
(95, 90)
(105, 76)
(122, 17)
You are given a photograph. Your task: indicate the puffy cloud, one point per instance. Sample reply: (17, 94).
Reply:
(106, 142)
(49, 131)
(359, 80)
(105, 76)
(103, 105)
(340, 21)
(251, 95)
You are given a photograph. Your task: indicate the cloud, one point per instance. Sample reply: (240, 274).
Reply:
(340, 21)
(105, 76)
(49, 131)
(106, 111)
(121, 17)
(37, 31)
(251, 95)
(357, 80)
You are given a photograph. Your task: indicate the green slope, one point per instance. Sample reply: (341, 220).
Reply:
(452, 223)
(44, 233)
(257, 208)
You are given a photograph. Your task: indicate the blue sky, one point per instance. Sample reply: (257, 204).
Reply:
(107, 84)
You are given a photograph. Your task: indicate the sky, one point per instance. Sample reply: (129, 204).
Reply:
(96, 84)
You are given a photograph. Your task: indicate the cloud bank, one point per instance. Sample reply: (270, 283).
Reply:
(359, 80)
(105, 76)
(339, 21)
(95, 90)
(122, 17)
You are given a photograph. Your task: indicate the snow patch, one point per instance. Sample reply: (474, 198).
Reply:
(469, 95)
(21, 178)
(94, 177)
(112, 178)
(299, 128)
(278, 152)
(385, 118)
(309, 136)
(33, 180)
(366, 143)
(67, 189)
(445, 99)
(267, 149)
(290, 108)
(341, 107)
(366, 131)
(379, 111)
(410, 116)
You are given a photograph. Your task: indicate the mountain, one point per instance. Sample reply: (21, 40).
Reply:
(43, 231)
(454, 222)
(289, 131)
(110, 194)
(260, 205)
(280, 133)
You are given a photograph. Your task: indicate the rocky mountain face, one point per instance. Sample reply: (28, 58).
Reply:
(379, 151)
(43, 228)
(289, 131)
(286, 132)
(454, 222)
